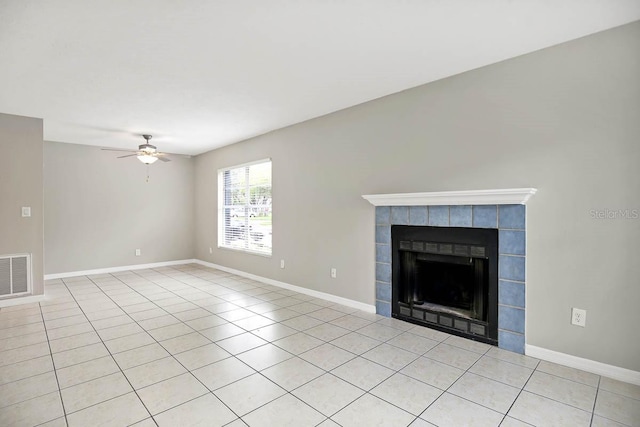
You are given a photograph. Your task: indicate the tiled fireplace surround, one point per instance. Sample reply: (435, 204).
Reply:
(509, 219)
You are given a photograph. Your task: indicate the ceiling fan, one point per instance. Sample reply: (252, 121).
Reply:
(146, 152)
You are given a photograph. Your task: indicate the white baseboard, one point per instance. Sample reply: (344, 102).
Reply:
(610, 371)
(322, 295)
(117, 269)
(10, 302)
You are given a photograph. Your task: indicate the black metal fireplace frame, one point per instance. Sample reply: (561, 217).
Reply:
(460, 239)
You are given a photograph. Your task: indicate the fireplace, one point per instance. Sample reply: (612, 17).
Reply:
(502, 211)
(446, 278)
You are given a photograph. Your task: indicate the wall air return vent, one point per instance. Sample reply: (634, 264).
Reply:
(15, 275)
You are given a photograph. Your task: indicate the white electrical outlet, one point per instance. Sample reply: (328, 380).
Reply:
(578, 317)
(210, 250)
(334, 273)
(138, 252)
(281, 263)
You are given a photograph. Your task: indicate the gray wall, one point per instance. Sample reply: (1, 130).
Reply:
(21, 185)
(565, 120)
(100, 209)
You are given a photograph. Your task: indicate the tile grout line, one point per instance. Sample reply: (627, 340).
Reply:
(160, 343)
(595, 400)
(31, 376)
(287, 392)
(256, 372)
(53, 363)
(401, 331)
(458, 379)
(356, 356)
(570, 380)
(200, 288)
(211, 391)
(294, 355)
(110, 355)
(170, 355)
(520, 392)
(316, 337)
(235, 356)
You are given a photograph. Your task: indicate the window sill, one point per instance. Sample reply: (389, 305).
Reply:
(246, 251)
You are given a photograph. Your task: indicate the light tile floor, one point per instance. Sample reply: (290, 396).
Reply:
(195, 346)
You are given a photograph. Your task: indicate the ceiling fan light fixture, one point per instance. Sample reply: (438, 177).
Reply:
(146, 153)
(147, 159)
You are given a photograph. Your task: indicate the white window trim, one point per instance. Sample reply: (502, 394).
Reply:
(221, 208)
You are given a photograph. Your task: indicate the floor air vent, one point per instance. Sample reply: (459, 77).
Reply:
(15, 277)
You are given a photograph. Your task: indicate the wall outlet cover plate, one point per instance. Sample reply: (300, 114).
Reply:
(578, 317)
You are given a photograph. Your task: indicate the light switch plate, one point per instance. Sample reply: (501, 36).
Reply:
(26, 211)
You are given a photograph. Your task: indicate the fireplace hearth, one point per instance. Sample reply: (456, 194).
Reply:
(446, 278)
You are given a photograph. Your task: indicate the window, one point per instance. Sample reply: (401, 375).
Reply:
(244, 207)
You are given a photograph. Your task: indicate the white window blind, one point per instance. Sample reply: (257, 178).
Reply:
(244, 201)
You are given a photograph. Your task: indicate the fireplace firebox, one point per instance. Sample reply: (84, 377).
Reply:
(446, 278)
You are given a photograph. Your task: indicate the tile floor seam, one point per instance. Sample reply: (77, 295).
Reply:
(350, 402)
(97, 403)
(37, 397)
(232, 382)
(517, 397)
(286, 393)
(301, 385)
(595, 400)
(325, 342)
(292, 395)
(620, 394)
(25, 345)
(376, 397)
(110, 355)
(28, 375)
(237, 293)
(557, 401)
(468, 400)
(166, 288)
(191, 400)
(501, 382)
(511, 363)
(174, 358)
(21, 324)
(569, 379)
(55, 372)
(393, 404)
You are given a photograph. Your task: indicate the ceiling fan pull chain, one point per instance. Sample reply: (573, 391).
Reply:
(147, 172)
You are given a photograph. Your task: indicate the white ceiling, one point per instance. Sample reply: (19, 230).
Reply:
(201, 74)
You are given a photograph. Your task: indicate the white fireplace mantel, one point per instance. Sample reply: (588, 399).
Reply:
(506, 196)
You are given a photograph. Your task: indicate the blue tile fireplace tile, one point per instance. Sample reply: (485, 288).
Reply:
(418, 215)
(510, 222)
(439, 216)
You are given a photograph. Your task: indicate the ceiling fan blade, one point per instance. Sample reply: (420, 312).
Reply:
(115, 149)
(144, 152)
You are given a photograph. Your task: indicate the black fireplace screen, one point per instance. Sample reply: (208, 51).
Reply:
(446, 278)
